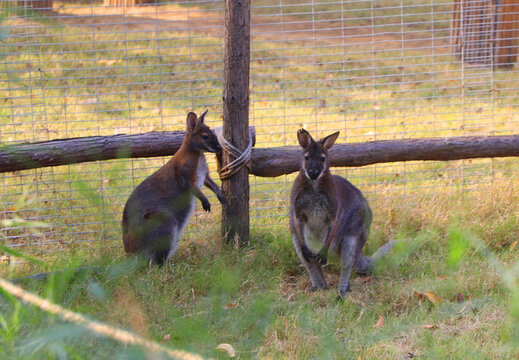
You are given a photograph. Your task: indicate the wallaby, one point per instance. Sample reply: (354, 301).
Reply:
(328, 214)
(159, 208)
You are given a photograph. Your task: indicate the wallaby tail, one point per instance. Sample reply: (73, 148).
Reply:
(383, 250)
(365, 264)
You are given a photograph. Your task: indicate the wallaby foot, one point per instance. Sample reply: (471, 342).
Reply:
(314, 288)
(344, 290)
(317, 276)
(318, 283)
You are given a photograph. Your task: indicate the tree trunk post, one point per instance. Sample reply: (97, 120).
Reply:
(235, 215)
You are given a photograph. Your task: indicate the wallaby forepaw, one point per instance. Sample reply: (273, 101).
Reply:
(322, 257)
(222, 200)
(206, 205)
(307, 254)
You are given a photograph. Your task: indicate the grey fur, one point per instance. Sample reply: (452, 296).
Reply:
(328, 215)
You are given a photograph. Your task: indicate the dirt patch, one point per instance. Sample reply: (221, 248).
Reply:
(264, 28)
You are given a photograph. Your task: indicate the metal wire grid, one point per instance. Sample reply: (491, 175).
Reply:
(371, 69)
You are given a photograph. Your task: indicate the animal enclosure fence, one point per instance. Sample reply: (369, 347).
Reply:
(375, 70)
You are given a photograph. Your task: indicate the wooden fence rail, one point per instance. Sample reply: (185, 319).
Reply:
(265, 162)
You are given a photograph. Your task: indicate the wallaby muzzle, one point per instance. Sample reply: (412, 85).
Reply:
(313, 173)
(313, 166)
(217, 147)
(212, 144)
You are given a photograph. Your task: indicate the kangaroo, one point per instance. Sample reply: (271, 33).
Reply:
(328, 214)
(159, 208)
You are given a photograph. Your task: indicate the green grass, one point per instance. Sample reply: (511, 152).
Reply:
(255, 298)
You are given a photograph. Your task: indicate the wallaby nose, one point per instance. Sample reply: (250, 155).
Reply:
(313, 173)
(217, 147)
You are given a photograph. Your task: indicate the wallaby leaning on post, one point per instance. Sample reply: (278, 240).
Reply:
(328, 214)
(159, 208)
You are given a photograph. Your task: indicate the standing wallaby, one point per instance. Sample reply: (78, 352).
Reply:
(160, 207)
(328, 214)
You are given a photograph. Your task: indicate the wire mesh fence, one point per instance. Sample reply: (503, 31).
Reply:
(384, 69)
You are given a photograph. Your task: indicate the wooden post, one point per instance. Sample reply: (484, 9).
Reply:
(235, 215)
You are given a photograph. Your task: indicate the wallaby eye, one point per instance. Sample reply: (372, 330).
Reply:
(323, 158)
(306, 157)
(205, 137)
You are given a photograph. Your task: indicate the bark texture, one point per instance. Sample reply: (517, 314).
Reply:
(265, 162)
(235, 215)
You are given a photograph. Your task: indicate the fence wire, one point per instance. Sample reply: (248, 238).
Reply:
(374, 70)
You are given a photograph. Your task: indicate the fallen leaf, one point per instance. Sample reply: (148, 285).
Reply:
(430, 326)
(428, 295)
(514, 244)
(432, 298)
(459, 298)
(380, 321)
(231, 305)
(166, 338)
(359, 357)
(226, 348)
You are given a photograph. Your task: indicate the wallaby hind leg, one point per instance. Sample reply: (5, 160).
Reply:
(164, 253)
(159, 256)
(158, 239)
(175, 238)
(348, 255)
(314, 269)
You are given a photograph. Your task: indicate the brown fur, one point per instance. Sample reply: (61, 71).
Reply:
(159, 208)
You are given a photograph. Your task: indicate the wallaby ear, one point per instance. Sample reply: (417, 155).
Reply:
(201, 118)
(304, 138)
(328, 141)
(191, 121)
